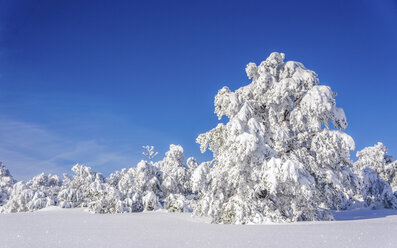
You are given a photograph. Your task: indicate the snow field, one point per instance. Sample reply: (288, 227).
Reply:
(55, 227)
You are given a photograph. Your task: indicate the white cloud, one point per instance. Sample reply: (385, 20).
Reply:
(28, 149)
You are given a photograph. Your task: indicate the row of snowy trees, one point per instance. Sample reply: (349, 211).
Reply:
(281, 156)
(167, 184)
(178, 187)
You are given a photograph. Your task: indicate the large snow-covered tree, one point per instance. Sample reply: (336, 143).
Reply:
(282, 155)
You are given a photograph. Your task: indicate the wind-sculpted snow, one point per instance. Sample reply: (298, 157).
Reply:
(282, 156)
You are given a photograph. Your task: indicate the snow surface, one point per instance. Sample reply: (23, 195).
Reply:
(55, 227)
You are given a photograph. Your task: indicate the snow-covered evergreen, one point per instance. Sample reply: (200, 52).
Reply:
(375, 191)
(6, 184)
(282, 155)
(38, 193)
(378, 174)
(376, 158)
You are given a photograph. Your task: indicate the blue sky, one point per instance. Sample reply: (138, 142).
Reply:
(93, 81)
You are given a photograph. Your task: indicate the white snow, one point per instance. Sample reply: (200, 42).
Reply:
(55, 227)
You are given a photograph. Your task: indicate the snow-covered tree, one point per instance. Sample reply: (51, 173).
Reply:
(23, 199)
(282, 155)
(175, 180)
(375, 191)
(39, 192)
(106, 199)
(6, 184)
(151, 201)
(390, 175)
(147, 179)
(200, 178)
(376, 158)
(175, 174)
(88, 189)
(378, 171)
(130, 196)
(50, 184)
(149, 153)
(177, 203)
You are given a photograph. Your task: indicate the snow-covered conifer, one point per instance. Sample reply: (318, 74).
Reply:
(280, 122)
(177, 203)
(151, 201)
(39, 192)
(376, 192)
(175, 174)
(6, 184)
(85, 189)
(146, 179)
(376, 158)
(50, 184)
(200, 178)
(23, 198)
(390, 175)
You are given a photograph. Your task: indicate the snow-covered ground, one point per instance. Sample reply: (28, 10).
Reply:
(56, 227)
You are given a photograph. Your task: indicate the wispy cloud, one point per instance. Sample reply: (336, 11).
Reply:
(28, 149)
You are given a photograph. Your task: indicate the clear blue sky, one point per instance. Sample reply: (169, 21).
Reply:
(93, 81)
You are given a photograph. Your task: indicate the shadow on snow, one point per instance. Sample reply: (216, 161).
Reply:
(361, 214)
